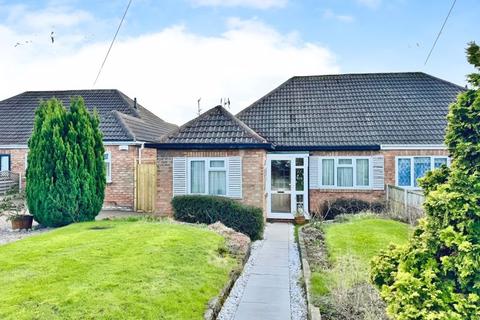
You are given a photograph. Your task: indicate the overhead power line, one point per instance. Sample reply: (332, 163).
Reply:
(113, 41)
(440, 32)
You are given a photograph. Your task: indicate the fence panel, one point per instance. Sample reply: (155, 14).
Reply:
(405, 205)
(146, 187)
(8, 181)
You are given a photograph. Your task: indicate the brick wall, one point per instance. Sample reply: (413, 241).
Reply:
(120, 193)
(318, 197)
(253, 177)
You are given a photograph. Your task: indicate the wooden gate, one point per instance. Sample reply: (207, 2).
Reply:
(146, 187)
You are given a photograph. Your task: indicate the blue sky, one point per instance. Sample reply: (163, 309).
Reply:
(170, 53)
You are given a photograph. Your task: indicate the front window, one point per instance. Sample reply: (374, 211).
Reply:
(345, 172)
(410, 169)
(208, 177)
(4, 162)
(107, 159)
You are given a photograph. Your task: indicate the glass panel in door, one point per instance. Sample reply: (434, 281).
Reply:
(281, 175)
(281, 186)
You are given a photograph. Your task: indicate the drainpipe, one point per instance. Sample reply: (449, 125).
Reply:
(140, 152)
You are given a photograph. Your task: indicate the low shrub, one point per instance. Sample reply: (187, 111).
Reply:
(210, 209)
(343, 206)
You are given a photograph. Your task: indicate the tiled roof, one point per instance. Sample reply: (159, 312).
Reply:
(216, 126)
(119, 119)
(354, 110)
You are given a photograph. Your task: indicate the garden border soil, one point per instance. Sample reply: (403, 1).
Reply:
(313, 312)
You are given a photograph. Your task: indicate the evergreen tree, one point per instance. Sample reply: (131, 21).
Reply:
(437, 275)
(66, 172)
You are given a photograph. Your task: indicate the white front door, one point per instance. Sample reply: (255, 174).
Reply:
(287, 185)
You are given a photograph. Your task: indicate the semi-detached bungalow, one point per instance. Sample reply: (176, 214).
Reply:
(311, 140)
(125, 124)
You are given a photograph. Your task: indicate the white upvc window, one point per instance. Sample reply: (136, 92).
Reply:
(345, 172)
(409, 169)
(4, 162)
(107, 158)
(207, 176)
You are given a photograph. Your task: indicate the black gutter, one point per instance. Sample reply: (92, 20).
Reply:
(328, 148)
(267, 146)
(179, 146)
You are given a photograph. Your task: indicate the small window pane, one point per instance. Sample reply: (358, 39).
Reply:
(362, 172)
(299, 162)
(345, 177)
(328, 173)
(217, 183)
(4, 163)
(344, 161)
(280, 174)
(421, 166)
(438, 162)
(300, 204)
(404, 173)
(299, 179)
(197, 177)
(217, 164)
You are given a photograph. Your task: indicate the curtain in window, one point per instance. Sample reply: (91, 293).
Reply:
(439, 161)
(362, 172)
(217, 182)
(421, 165)
(328, 172)
(404, 173)
(345, 177)
(197, 177)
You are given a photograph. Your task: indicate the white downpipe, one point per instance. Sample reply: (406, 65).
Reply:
(140, 152)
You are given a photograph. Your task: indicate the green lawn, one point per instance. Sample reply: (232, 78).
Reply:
(113, 270)
(351, 245)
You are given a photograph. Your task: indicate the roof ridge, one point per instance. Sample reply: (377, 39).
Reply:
(119, 116)
(243, 125)
(265, 96)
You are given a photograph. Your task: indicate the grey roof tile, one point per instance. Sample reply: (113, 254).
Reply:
(119, 119)
(216, 126)
(354, 110)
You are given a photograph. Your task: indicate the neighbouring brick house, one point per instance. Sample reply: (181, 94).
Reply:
(125, 124)
(312, 139)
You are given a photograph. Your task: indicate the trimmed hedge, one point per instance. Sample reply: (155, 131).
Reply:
(210, 209)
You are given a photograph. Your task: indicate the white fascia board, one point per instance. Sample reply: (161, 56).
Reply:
(13, 146)
(106, 143)
(413, 147)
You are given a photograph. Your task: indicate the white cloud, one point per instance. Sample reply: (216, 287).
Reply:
(260, 4)
(169, 70)
(329, 14)
(370, 3)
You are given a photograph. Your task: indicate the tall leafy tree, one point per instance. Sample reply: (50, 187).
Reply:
(66, 172)
(437, 275)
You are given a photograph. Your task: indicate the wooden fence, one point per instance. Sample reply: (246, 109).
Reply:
(146, 177)
(8, 181)
(404, 204)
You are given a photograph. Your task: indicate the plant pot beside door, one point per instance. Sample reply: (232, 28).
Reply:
(12, 206)
(299, 217)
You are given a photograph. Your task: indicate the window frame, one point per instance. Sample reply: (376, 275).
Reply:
(208, 169)
(412, 168)
(108, 177)
(336, 165)
(9, 156)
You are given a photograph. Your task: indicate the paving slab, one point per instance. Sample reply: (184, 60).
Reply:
(267, 292)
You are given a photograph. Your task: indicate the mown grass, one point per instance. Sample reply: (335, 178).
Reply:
(113, 270)
(351, 245)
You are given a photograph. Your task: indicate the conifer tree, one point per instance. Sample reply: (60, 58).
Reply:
(437, 275)
(65, 173)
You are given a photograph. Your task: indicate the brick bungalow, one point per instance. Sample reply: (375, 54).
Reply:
(125, 124)
(311, 140)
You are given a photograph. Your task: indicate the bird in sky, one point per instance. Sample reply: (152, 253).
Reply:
(52, 37)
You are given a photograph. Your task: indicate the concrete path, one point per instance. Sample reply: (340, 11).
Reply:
(267, 293)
